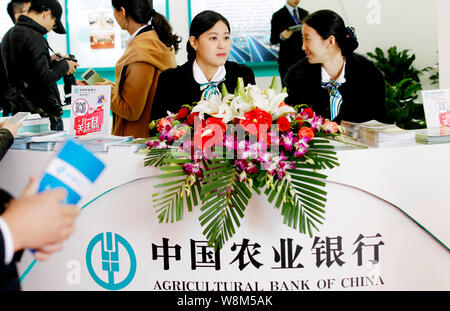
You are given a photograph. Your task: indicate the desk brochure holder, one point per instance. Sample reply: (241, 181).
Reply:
(436, 105)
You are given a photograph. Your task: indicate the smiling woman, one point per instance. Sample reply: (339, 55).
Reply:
(333, 80)
(206, 70)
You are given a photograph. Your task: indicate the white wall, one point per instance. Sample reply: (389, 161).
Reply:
(408, 24)
(444, 43)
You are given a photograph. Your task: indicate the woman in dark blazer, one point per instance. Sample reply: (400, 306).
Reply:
(205, 71)
(337, 83)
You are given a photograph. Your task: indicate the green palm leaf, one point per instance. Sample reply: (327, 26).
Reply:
(177, 191)
(156, 156)
(224, 202)
(302, 197)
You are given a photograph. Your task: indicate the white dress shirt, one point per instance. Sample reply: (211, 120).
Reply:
(291, 9)
(8, 241)
(200, 77)
(341, 79)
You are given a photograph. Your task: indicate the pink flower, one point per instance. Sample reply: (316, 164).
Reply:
(247, 166)
(307, 113)
(152, 144)
(177, 134)
(301, 147)
(164, 124)
(288, 140)
(317, 122)
(193, 168)
(330, 127)
(229, 142)
(274, 138)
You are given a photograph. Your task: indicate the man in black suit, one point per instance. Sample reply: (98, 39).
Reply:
(290, 41)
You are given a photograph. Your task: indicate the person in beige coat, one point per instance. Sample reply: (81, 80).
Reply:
(150, 50)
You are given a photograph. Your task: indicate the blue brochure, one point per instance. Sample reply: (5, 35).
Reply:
(75, 169)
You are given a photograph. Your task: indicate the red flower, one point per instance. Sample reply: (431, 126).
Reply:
(190, 119)
(299, 120)
(256, 120)
(210, 134)
(283, 124)
(309, 112)
(217, 121)
(182, 113)
(306, 132)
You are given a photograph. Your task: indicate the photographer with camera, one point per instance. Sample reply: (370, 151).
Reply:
(68, 79)
(29, 65)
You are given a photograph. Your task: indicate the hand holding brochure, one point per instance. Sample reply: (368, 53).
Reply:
(75, 169)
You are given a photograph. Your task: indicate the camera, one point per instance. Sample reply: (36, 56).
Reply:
(69, 80)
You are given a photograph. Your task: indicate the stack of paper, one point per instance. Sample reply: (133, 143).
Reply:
(38, 141)
(43, 146)
(101, 144)
(20, 144)
(35, 124)
(377, 134)
(433, 136)
(127, 147)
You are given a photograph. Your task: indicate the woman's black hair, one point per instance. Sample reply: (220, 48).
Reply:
(141, 12)
(328, 23)
(201, 23)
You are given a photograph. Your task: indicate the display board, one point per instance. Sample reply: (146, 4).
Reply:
(95, 38)
(250, 26)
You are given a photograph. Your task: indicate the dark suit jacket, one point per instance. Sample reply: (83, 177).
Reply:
(6, 140)
(363, 92)
(9, 280)
(177, 87)
(4, 85)
(291, 49)
(8, 273)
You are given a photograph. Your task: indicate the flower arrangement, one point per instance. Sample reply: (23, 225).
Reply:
(220, 152)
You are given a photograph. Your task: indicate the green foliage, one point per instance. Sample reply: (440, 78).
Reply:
(396, 66)
(224, 200)
(178, 189)
(300, 196)
(434, 76)
(402, 87)
(402, 108)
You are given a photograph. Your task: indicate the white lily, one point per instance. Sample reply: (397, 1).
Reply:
(239, 107)
(224, 113)
(210, 106)
(235, 106)
(270, 101)
(276, 107)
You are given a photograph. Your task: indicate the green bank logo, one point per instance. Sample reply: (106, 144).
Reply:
(111, 261)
